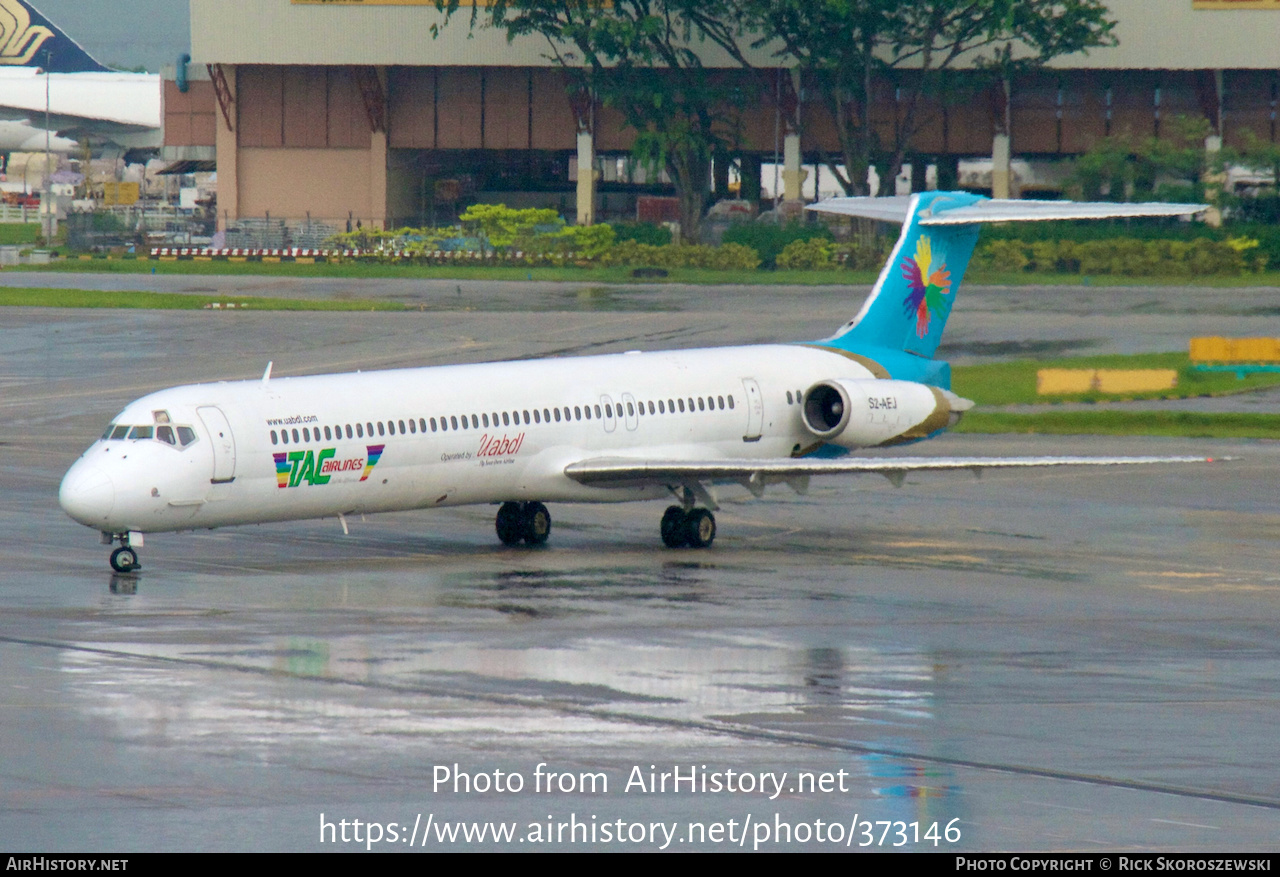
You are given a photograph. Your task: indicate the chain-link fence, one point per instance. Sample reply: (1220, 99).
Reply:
(123, 227)
(277, 234)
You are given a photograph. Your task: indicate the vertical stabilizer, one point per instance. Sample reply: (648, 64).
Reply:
(28, 39)
(909, 305)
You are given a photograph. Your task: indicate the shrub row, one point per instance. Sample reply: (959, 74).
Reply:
(1266, 234)
(820, 254)
(495, 234)
(1127, 257)
(770, 240)
(726, 257)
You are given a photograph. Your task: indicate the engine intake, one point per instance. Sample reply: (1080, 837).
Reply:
(826, 410)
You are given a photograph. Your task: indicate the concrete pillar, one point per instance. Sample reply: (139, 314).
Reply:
(793, 175)
(378, 178)
(378, 158)
(1001, 171)
(48, 217)
(1214, 179)
(586, 178)
(227, 145)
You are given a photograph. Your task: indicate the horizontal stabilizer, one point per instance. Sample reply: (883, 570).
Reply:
(890, 209)
(939, 212)
(618, 472)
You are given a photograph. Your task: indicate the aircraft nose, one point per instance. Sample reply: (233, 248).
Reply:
(87, 494)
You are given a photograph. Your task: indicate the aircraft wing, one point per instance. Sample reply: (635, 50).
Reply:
(895, 209)
(118, 107)
(628, 472)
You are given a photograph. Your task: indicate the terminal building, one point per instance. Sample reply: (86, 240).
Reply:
(352, 111)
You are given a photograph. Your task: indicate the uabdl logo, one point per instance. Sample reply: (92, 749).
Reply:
(492, 446)
(294, 468)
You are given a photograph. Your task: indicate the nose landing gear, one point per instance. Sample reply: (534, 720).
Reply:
(124, 558)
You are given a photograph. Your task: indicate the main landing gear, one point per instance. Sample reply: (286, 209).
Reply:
(695, 528)
(124, 558)
(527, 522)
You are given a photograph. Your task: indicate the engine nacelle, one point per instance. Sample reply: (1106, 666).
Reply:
(866, 413)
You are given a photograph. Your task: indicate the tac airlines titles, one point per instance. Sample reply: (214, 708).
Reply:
(491, 446)
(295, 468)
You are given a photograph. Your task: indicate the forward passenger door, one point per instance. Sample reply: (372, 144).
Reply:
(755, 411)
(224, 444)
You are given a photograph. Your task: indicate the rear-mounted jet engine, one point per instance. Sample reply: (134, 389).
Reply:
(866, 413)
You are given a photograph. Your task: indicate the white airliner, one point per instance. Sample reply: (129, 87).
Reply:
(19, 135)
(631, 426)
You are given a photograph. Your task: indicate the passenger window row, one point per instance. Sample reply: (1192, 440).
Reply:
(456, 422)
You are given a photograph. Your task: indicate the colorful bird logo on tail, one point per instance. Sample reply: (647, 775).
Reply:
(927, 289)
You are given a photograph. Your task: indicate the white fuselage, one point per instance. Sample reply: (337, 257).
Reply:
(308, 447)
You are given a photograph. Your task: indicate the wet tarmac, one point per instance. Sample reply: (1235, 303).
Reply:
(991, 322)
(1079, 660)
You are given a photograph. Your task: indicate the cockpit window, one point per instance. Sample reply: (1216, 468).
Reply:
(174, 436)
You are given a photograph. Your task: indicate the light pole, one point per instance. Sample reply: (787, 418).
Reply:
(46, 200)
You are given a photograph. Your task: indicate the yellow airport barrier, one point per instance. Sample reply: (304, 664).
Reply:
(1062, 381)
(1217, 349)
(1138, 380)
(1067, 381)
(1210, 349)
(1256, 350)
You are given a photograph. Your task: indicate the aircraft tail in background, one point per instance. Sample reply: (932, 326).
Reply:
(28, 39)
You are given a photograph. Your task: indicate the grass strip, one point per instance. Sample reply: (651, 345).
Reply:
(1183, 424)
(979, 277)
(382, 270)
(1014, 383)
(19, 233)
(88, 298)
(780, 277)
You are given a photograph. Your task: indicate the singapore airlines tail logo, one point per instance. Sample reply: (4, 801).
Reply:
(19, 41)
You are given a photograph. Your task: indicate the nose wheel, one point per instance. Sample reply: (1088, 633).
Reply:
(124, 558)
(695, 528)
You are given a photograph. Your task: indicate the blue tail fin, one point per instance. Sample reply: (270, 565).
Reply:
(909, 305)
(898, 329)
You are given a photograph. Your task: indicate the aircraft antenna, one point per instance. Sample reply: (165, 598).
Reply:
(266, 375)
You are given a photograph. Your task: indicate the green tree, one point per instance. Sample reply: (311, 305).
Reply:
(647, 59)
(1172, 167)
(846, 46)
(1259, 155)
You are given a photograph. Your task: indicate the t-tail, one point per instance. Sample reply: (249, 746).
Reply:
(28, 39)
(900, 325)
